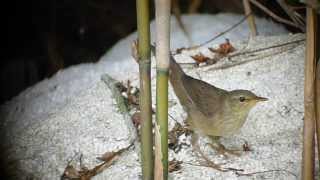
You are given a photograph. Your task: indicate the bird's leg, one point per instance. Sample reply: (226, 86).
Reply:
(221, 149)
(196, 149)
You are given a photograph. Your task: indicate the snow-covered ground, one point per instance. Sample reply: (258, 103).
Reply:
(73, 114)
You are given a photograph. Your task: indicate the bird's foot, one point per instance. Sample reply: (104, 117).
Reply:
(207, 162)
(222, 150)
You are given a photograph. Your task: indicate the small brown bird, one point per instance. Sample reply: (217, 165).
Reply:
(211, 111)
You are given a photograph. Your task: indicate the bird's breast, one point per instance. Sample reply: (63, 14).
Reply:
(223, 124)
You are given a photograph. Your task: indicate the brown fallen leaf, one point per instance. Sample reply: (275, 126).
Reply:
(174, 135)
(134, 50)
(133, 97)
(224, 48)
(246, 146)
(136, 119)
(121, 87)
(71, 173)
(179, 50)
(174, 165)
(131, 94)
(200, 58)
(108, 156)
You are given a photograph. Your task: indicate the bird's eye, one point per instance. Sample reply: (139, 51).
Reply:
(242, 99)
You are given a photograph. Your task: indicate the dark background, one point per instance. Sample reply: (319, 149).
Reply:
(41, 37)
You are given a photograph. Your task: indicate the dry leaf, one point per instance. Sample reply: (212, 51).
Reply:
(174, 135)
(200, 58)
(174, 165)
(224, 48)
(179, 50)
(130, 94)
(246, 146)
(107, 156)
(121, 87)
(136, 119)
(134, 50)
(70, 173)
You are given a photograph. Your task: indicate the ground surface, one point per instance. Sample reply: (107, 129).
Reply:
(73, 114)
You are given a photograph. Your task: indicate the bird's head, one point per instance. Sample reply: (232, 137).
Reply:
(243, 100)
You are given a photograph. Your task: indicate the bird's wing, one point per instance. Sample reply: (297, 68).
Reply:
(204, 96)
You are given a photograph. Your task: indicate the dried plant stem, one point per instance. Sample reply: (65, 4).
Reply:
(273, 15)
(145, 88)
(177, 13)
(309, 97)
(318, 107)
(194, 6)
(294, 16)
(220, 34)
(162, 56)
(250, 19)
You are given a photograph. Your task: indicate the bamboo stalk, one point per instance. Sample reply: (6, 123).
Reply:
(250, 19)
(147, 161)
(309, 98)
(162, 55)
(318, 107)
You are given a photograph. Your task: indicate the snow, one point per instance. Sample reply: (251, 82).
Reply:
(72, 114)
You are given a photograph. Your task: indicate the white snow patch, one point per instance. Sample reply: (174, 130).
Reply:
(72, 113)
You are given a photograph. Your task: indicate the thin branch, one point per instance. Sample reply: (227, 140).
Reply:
(266, 48)
(251, 21)
(251, 52)
(273, 15)
(239, 172)
(267, 171)
(220, 34)
(291, 12)
(177, 13)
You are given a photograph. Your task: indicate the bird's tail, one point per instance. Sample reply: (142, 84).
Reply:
(175, 69)
(176, 77)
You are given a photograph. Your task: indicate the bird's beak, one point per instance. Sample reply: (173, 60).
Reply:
(261, 98)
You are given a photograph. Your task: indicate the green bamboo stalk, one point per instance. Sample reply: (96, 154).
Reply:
(309, 98)
(143, 19)
(163, 8)
(162, 124)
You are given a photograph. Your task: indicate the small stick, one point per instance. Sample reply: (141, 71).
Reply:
(251, 22)
(220, 34)
(273, 15)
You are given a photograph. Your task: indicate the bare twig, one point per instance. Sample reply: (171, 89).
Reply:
(209, 165)
(273, 15)
(177, 14)
(265, 48)
(250, 60)
(295, 16)
(240, 172)
(252, 52)
(252, 24)
(267, 171)
(194, 6)
(84, 173)
(220, 34)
